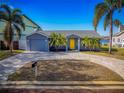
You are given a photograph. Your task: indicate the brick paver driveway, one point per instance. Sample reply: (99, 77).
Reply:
(9, 65)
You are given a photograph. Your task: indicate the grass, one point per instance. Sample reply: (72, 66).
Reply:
(65, 70)
(116, 52)
(5, 54)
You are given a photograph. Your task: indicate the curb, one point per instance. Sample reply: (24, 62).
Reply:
(62, 84)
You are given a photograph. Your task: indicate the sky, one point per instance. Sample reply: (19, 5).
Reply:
(63, 14)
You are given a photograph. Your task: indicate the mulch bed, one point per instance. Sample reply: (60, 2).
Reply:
(65, 70)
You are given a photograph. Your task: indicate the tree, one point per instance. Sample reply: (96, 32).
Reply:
(107, 9)
(57, 40)
(14, 24)
(91, 43)
(96, 43)
(62, 39)
(85, 42)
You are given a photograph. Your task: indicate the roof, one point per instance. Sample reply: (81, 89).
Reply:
(80, 33)
(105, 37)
(30, 23)
(119, 33)
(30, 26)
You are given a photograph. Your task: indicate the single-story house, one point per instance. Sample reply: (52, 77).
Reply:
(39, 40)
(35, 39)
(118, 38)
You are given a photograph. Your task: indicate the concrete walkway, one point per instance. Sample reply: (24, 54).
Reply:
(62, 85)
(10, 65)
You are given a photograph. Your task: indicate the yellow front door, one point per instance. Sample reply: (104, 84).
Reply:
(72, 43)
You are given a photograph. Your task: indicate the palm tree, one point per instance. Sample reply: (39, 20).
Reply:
(107, 9)
(14, 24)
(91, 43)
(87, 42)
(62, 40)
(57, 40)
(96, 43)
(54, 39)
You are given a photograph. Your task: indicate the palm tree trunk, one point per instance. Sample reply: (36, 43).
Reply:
(110, 33)
(10, 38)
(11, 47)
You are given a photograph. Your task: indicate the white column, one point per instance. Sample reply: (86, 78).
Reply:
(78, 44)
(67, 46)
(48, 45)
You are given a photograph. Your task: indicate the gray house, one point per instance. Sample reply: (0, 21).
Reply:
(39, 40)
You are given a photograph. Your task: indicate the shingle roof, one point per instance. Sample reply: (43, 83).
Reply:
(80, 33)
(119, 33)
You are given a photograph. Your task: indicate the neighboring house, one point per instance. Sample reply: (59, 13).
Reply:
(39, 40)
(105, 41)
(118, 38)
(19, 44)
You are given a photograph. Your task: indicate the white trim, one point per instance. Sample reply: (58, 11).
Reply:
(78, 44)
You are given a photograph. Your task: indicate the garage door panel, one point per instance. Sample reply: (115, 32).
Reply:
(38, 45)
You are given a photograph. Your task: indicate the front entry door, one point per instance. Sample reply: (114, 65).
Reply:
(72, 43)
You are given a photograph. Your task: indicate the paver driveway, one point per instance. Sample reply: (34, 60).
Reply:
(10, 65)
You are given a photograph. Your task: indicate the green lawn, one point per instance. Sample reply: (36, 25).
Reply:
(116, 52)
(6, 54)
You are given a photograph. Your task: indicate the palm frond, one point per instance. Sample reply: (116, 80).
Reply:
(18, 19)
(117, 22)
(108, 2)
(3, 16)
(16, 11)
(100, 10)
(122, 3)
(7, 9)
(17, 30)
(106, 21)
(57, 40)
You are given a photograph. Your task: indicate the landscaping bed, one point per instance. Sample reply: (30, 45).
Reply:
(65, 70)
(6, 53)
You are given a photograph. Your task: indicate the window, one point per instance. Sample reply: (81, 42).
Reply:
(118, 39)
(113, 39)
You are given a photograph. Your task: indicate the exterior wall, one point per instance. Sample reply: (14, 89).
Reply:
(22, 42)
(118, 41)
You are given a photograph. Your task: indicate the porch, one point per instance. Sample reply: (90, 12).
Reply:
(73, 43)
